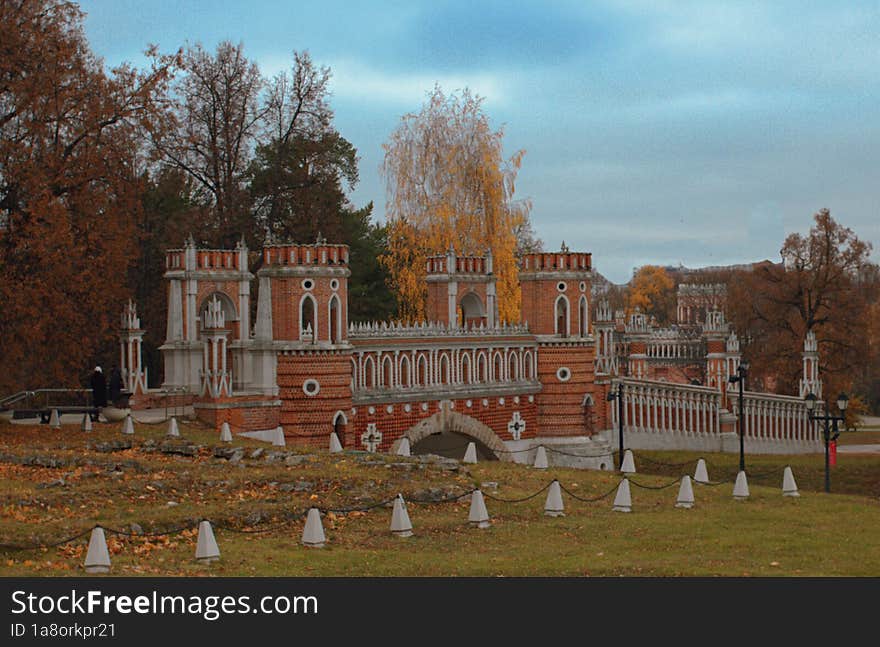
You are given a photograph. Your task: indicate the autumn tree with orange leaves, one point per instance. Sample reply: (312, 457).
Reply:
(70, 145)
(652, 291)
(449, 185)
(825, 284)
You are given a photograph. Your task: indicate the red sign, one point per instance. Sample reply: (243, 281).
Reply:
(832, 452)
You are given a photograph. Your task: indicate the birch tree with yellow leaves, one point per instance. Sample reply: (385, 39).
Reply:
(448, 184)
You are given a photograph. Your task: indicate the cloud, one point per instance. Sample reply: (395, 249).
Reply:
(356, 81)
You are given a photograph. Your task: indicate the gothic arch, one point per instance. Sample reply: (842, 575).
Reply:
(403, 372)
(334, 320)
(583, 317)
(387, 372)
(464, 371)
(528, 373)
(562, 316)
(308, 309)
(498, 367)
(453, 421)
(369, 375)
(513, 366)
(445, 376)
(472, 311)
(422, 375)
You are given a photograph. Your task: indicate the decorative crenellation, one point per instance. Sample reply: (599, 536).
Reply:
(451, 263)
(376, 329)
(291, 254)
(563, 261)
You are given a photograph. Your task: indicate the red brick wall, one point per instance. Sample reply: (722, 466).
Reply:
(560, 404)
(394, 424)
(286, 295)
(244, 417)
(309, 419)
(539, 303)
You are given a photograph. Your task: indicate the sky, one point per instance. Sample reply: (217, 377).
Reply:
(694, 133)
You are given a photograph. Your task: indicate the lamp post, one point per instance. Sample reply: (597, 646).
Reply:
(742, 372)
(829, 432)
(619, 397)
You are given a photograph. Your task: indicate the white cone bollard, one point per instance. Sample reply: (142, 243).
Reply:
(335, 445)
(629, 465)
(128, 426)
(225, 433)
(55, 419)
(86, 423)
(404, 448)
(685, 493)
(553, 506)
(401, 526)
(541, 458)
(97, 557)
(278, 438)
(701, 474)
(173, 429)
(206, 546)
(623, 498)
(313, 532)
(478, 516)
(741, 487)
(789, 486)
(470, 454)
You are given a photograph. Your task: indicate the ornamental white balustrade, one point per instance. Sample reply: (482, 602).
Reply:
(384, 329)
(660, 414)
(675, 345)
(775, 418)
(415, 367)
(670, 409)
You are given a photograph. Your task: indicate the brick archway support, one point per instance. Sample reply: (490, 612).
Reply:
(450, 420)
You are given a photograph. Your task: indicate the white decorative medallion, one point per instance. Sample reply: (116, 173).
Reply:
(516, 426)
(371, 438)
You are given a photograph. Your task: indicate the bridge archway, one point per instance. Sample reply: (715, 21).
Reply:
(449, 430)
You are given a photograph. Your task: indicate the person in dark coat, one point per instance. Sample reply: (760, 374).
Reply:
(99, 388)
(115, 384)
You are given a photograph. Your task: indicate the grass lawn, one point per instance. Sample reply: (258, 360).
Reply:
(864, 436)
(55, 483)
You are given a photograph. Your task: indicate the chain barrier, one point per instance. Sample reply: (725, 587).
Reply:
(589, 500)
(365, 508)
(172, 531)
(711, 483)
(655, 487)
(563, 453)
(526, 498)
(447, 500)
(51, 545)
(290, 517)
